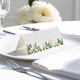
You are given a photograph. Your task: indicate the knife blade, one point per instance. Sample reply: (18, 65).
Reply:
(9, 32)
(31, 28)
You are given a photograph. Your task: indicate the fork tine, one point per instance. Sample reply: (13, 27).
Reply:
(12, 64)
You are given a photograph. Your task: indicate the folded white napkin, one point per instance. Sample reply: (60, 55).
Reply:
(65, 63)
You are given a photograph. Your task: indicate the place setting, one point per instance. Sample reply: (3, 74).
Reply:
(40, 44)
(36, 48)
(40, 48)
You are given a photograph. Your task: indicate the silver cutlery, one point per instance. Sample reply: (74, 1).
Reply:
(19, 68)
(31, 28)
(9, 32)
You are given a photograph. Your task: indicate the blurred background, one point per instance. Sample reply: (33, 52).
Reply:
(68, 9)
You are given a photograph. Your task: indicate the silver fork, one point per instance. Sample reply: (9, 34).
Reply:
(19, 68)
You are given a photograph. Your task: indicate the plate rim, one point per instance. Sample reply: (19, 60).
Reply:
(32, 59)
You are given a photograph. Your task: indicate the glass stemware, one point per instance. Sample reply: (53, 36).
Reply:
(4, 9)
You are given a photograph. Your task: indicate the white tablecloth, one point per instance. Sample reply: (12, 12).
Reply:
(69, 27)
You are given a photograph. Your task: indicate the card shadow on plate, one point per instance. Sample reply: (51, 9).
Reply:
(14, 53)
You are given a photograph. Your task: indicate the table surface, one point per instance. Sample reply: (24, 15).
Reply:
(69, 27)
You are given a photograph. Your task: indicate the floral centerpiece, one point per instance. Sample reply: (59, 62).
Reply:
(37, 12)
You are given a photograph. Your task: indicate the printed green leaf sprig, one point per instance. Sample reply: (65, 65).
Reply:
(60, 41)
(31, 1)
(34, 48)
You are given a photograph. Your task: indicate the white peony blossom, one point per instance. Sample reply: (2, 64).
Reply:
(40, 11)
(44, 12)
(23, 15)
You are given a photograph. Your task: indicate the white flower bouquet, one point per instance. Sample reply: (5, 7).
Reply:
(37, 12)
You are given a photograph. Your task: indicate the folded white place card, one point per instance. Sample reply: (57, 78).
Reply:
(14, 44)
(66, 63)
(31, 42)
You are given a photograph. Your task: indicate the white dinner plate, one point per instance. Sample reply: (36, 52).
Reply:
(70, 41)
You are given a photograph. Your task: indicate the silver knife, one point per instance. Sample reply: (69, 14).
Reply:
(9, 32)
(30, 28)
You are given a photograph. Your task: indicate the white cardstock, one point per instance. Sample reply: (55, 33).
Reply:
(17, 44)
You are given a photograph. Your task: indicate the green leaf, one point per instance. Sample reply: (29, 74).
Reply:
(60, 41)
(31, 1)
